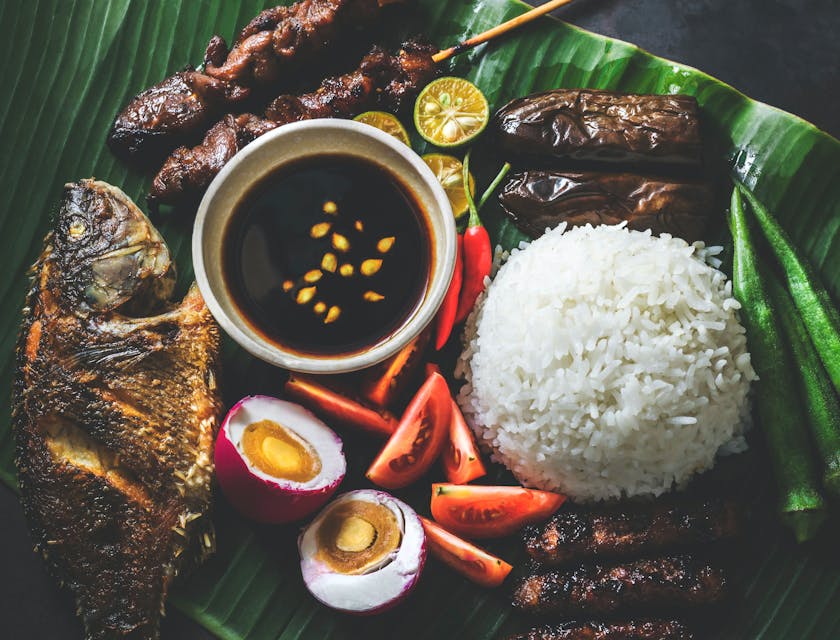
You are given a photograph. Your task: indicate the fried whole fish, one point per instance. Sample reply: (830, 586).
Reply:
(114, 414)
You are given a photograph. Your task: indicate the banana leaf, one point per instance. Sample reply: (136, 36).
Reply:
(68, 67)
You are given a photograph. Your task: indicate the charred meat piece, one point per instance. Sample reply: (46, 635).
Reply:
(189, 171)
(114, 415)
(172, 112)
(382, 81)
(268, 53)
(573, 536)
(282, 38)
(631, 630)
(641, 585)
(537, 200)
(602, 127)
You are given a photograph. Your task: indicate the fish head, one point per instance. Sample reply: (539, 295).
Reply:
(107, 251)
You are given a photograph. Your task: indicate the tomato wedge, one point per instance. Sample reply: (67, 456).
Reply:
(383, 384)
(477, 511)
(418, 439)
(461, 461)
(464, 557)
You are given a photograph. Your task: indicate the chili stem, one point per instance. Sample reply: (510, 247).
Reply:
(474, 220)
(494, 185)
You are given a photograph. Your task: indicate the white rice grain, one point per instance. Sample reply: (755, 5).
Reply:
(603, 362)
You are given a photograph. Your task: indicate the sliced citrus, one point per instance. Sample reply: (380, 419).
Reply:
(450, 112)
(386, 122)
(450, 173)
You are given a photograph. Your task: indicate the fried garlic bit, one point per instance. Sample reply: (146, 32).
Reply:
(385, 244)
(306, 294)
(359, 226)
(346, 269)
(329, 262)
(319, 308)
(320, 230)
(312, 276)
(340, 243)
(288, 285)
(370, 266)
(332, 314)
(330, 207)
(372, 296)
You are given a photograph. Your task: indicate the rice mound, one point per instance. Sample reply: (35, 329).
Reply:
(602, 362)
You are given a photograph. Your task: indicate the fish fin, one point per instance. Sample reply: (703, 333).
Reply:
(120, 355)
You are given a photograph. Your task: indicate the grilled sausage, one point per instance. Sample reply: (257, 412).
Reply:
(671, 581)
(629, 630)
(575, 536)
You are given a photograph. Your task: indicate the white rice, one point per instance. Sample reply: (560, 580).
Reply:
(603, 362)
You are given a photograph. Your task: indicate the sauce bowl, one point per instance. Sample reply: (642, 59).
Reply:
(299, 141)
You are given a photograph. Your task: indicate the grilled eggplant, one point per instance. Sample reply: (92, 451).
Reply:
(641, 585)
(536, 200)
(573, 536)
(114, 415)
(602, 127)
(630, 630)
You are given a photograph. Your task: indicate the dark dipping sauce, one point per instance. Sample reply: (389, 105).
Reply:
(327, 255)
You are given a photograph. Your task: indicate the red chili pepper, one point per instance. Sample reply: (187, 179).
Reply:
(446, 315)
(478, 253)
(478, 259)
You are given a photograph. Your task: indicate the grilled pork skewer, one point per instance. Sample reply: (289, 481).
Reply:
(280, 39)
(651, 584)
(269, 51)
(575, 536)
(382, 81)
(630, 630)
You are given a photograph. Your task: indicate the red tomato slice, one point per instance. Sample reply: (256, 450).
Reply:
(418, 439)
(464, 557)
(476, 511)
(461, 460)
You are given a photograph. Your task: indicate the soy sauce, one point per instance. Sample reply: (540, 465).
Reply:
(327, 255)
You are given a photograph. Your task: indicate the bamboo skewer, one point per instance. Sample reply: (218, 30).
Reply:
(510, 25)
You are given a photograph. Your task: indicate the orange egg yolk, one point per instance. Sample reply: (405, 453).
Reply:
(280, 452)
(356, 535)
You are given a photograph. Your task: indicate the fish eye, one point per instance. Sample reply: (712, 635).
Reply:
(77, 229)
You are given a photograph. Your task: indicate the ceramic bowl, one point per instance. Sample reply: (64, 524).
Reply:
(290, 143)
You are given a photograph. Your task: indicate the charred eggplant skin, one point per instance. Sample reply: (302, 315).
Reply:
(602, 127)
(536, 200)
(628, 630)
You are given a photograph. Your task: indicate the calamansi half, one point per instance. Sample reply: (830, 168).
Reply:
(386, 122)
(450, 112)
(449, 172)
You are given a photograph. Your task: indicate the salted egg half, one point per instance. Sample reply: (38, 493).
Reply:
(275, 461)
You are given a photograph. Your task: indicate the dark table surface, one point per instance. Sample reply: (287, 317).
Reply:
(783, 52)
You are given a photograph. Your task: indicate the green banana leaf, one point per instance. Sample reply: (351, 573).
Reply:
(69, 66)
